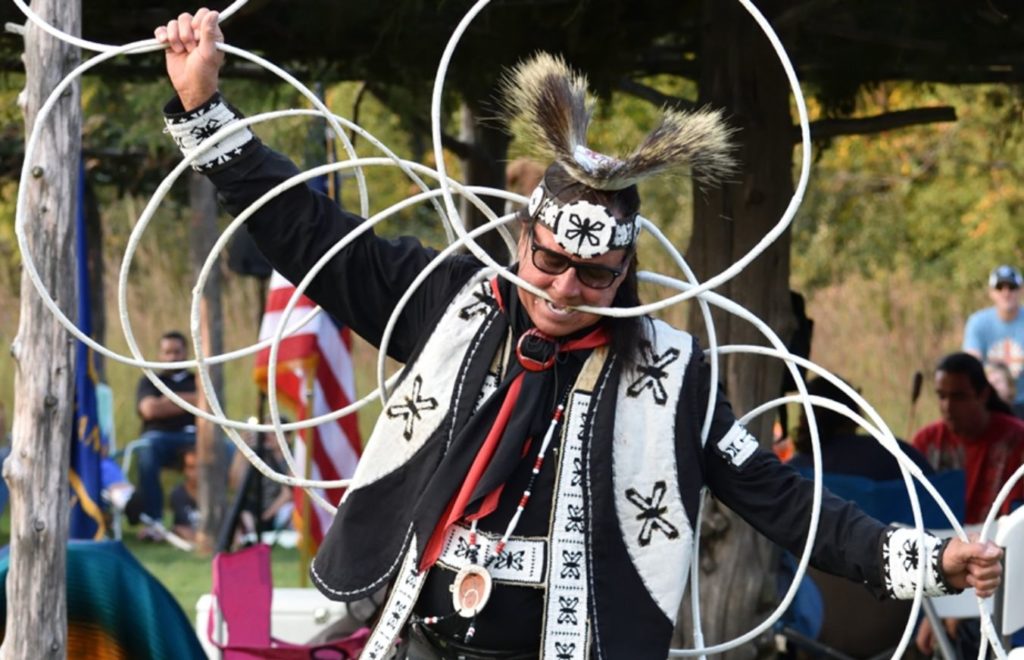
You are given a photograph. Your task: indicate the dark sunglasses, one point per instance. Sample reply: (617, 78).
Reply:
(1006, 285)
(594, 276)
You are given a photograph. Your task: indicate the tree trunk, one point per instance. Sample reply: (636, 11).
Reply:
(739, 72)
(485, 166)
(210, 449)
(37, 468)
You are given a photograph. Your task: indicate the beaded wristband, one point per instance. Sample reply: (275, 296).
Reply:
(190, 129)
(901, 568)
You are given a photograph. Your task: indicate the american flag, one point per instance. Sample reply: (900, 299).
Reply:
(317, 356)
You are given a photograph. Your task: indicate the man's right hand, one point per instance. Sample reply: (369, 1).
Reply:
(193, 60)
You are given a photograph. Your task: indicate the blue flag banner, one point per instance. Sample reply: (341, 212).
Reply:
(86, 446)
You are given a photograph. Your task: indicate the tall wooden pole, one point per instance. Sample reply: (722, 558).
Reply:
(483, 165)
(740, 74)
(211, 454)
(37, 468)
(307, 438)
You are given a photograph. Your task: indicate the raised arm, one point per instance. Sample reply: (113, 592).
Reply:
(361, 285)
(193, 60)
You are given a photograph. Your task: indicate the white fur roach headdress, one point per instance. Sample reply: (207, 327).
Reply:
(546, 104)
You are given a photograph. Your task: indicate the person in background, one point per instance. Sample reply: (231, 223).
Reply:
(843, 450)
(166, 428)
(184, 510)
(1001, 380)
(996, 333)
(977, 434)
(274, 504)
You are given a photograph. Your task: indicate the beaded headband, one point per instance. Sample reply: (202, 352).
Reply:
(582, 228)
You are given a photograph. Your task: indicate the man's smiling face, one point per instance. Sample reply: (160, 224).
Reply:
(566, 290)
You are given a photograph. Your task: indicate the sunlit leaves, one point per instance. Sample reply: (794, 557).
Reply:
(943, 201)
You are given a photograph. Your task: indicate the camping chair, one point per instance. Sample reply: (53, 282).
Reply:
(124, 458)
(238, 621)
(880, 623)
(116, 608)
(888, 500)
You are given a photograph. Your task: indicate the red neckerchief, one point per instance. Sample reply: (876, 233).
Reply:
(456, 508)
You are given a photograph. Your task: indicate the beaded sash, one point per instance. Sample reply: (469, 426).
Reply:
(566, 620)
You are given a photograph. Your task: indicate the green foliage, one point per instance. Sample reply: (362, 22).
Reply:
(10, 258)
(898, 232)
(941, 201)
(11, 140)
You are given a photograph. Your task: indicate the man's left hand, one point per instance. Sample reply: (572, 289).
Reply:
(972, 564)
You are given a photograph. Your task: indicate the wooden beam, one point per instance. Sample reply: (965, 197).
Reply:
(648, 93)
(829, 128)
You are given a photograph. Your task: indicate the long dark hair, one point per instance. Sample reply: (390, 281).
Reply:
(970, 366)
(623, 204)
(829, 422)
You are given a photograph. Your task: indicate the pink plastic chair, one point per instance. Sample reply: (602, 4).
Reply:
(243, 590)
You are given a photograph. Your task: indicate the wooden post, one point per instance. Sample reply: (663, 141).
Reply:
(37, 468)
(483, 165)
(740, 73)
(307, 438)
(211, 455)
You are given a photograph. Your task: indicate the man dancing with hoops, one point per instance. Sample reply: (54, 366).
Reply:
(531, 486)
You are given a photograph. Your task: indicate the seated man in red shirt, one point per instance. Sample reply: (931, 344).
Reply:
(977, 433)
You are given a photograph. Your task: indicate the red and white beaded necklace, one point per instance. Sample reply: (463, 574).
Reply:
(473, 583)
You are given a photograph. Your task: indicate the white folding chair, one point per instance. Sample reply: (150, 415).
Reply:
(1007, 606)
(959, 606)
(1010, 597)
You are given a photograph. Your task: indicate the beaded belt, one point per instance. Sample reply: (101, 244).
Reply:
(425, 643)
(520, 562)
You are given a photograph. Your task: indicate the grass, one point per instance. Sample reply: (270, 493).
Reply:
(187, 575)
